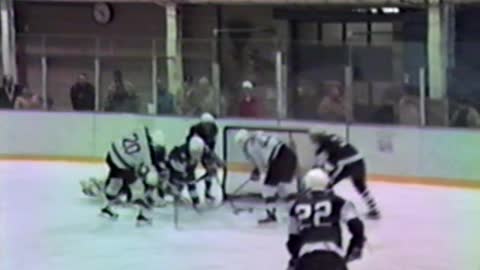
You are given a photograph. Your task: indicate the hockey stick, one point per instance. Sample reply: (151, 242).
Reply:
(236, 209)
(175, 212)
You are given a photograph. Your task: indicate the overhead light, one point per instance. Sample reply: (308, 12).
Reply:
(390, 10)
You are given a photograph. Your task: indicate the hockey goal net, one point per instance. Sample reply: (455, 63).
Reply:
(236, 182)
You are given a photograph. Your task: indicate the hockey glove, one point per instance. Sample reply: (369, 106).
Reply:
(255, 175)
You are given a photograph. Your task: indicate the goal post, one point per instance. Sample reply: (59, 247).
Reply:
(239, 168)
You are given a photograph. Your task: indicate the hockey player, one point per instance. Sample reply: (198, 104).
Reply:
(182, 162)
(273, 157)
(207, 130)
(342, 160)
(137, 159)
(315, 234)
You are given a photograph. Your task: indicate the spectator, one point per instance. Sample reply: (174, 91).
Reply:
(306, 101)
(408, 106)
(121, 97)
(198, 98)
(82, 94)
(165, 100)
(249, 105)
(465, 115)
(332, 106)
(29, 101)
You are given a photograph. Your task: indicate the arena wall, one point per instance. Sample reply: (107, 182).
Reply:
(405, 154)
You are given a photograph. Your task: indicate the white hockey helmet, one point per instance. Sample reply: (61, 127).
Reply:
(158, 138)
(241, 136)
(196, 146)
(207, 118)
(316, 179)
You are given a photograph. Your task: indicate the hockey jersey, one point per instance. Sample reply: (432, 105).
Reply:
(315, 223)
(133, 151)
(335, 150)
(181, 166)
(207, 131)
(260, 149)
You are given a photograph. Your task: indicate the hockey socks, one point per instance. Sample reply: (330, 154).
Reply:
(373, 212)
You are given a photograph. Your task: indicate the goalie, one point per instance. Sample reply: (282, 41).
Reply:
(276, 159)
(137, 159)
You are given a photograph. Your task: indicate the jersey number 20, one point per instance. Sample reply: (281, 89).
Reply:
(131, 145)
(316, 213)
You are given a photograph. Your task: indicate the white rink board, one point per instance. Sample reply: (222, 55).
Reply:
(47, 224)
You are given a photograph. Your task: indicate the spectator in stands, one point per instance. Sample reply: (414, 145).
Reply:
(465, 115)
(121, 96)
(165, 100)
(82, 94)
(199, 98)
(9, 91)
(408, 106)
(249, 105)
(332, 106)
(29, 101)
(306, 103)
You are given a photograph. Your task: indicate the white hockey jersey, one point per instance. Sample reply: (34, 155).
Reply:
(260, 149)
(132, 151)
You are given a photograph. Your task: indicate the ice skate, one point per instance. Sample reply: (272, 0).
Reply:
(271, 217)
(107, 212)
(143, 220)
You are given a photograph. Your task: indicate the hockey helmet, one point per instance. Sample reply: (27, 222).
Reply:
(196, 146)
(317, 134)
(207, 118)
(241, 137)
(158, 138)
(316, 179)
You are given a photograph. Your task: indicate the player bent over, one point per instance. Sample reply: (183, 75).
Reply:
(182, 162)
(342, 160)
(137, 159)
(315, 233)
(270, 155)
(207, 130)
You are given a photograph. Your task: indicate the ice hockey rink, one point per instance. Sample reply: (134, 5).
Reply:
(46, 223)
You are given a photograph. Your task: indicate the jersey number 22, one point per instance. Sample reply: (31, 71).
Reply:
(315, 213)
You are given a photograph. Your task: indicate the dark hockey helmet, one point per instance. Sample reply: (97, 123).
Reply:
(317, 135)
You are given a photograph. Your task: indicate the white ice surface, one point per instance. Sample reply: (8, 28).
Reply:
(47, 224)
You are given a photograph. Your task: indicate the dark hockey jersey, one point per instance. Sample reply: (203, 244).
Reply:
(181, 166)
(207, 131)
(334, 149)
(315, 223)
